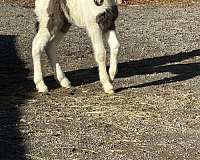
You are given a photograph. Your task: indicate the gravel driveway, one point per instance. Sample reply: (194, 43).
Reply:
(154, 114)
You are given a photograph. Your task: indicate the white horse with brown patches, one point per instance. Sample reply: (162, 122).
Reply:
(55, 18)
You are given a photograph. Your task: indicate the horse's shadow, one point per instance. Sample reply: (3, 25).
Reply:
(141, 67)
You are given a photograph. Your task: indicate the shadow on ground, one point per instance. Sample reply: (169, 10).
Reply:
(13, 93)
(16, 88)
(141, 67)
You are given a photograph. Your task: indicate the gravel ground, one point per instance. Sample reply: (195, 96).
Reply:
(154, 114)
(30, 3)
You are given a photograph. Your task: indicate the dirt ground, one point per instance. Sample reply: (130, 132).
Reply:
(154, 114)
(30, 3)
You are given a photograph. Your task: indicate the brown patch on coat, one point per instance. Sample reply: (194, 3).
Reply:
(65, 11)
(51, 15)
(57, 20)
(65, 26)
(106, 20)
(99, 2)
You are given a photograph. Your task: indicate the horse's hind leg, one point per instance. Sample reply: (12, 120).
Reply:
(39, 43)
(51, 53)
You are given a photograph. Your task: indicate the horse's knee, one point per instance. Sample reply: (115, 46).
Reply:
(100, 57)
(40, 41)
